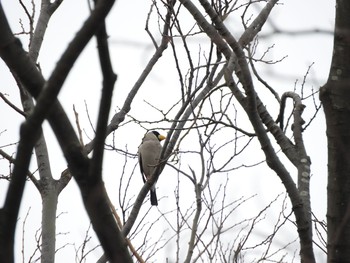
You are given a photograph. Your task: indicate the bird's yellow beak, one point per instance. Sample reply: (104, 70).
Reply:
(161, 137)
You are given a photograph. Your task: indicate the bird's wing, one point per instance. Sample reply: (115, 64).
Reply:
(149, 153)
(141, 168)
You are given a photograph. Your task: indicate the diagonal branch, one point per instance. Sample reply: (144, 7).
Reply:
(250, 106)
(16, 59)
(120, 116)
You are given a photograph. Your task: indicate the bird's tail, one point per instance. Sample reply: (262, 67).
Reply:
(154, 200)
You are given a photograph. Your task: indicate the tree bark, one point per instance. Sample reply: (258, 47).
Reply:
(335, 96)
(48, 222)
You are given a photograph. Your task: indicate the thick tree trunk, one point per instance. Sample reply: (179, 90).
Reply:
(335, 96)
(48, 223)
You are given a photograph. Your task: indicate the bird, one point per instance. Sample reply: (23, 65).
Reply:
(149, 157)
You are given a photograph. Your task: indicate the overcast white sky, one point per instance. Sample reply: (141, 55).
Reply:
(131, 48)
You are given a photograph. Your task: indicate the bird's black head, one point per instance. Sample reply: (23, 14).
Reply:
(156, 133)
(159, 137)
